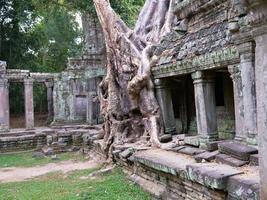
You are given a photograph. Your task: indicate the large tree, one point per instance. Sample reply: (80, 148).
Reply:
(128, 102)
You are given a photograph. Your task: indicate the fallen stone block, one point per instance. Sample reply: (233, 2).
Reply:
(237, 150)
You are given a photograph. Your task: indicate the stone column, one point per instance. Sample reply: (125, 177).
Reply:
(247, 67)
(261, 84)
(4, 105)
(29, 109)
(164, 98)
(238, 102)
(92, 108)
(204, 84)
(49, 86)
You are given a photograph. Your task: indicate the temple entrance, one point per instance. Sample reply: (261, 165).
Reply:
(225, 104)
(16, 103)
(182, 92)
(40, 103)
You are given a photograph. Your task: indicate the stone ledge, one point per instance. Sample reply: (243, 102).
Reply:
(164, 161)
(211, 175)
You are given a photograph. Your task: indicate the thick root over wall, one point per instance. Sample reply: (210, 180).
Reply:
(128, 103)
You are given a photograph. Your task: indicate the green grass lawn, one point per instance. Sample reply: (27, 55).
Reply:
(26, 159)
(56, 186)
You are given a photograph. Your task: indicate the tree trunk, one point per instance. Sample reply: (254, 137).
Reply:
(131, 112)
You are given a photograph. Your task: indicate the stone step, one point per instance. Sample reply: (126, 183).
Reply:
(237, 150)
(228, 160)
(206, 156)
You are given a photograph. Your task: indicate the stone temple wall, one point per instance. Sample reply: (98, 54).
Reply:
(76, 88)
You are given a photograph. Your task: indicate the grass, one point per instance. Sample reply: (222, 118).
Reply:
(56, 186)
(26, 159)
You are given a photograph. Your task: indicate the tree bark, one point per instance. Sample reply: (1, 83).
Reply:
(127, 93)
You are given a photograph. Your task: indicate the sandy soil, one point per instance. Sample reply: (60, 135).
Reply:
(21, 174)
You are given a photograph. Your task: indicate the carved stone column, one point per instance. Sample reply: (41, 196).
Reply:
(4, 105)
(238, 102)
(204, 84)
(29, 109)
(50, 86)
(247, 67)
(164, 98)
(261, 84)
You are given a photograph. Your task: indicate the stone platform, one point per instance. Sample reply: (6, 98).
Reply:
(176, 174)
(61, 138)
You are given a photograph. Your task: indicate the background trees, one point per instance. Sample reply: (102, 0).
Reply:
(40, 35)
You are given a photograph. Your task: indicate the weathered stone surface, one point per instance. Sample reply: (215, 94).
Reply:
(228, 160)
(126, 153)
(192, 140)
(191, 151)
(206, 156)
(244, 186)
(254, 160)
(211, 174)
(165, 161)
(166, 138)
(237, 150)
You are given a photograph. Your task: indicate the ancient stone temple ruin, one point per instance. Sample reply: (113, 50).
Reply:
(211, 85)
(76, 90)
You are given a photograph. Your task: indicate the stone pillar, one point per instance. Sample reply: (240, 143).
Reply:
(238, 102)
(261, 84)
(247, 67)
(4, 105)
(163, 93)
(49, 86)
(92, 108)
(29, 109)
(204, 84)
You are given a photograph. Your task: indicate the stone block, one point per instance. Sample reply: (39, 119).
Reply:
(243, 187)
(192, 140)
(164, 161)
(237, 150)
(213, 146)
(228, 160)
(206, 156)
(191, 151)
(211, 175)
(126, 153)
(166, 138)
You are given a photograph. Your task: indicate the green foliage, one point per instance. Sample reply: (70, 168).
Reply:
(112, 186)
(40, 35)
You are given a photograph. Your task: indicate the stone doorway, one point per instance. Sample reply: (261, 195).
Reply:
(225, 109)
(16, 104)
(182, 92)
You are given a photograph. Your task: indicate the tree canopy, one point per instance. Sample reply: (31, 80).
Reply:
(40, 35)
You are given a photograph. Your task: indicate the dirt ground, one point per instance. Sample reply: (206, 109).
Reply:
(22, 174)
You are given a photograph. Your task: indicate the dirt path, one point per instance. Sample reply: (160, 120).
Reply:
(21, 174)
